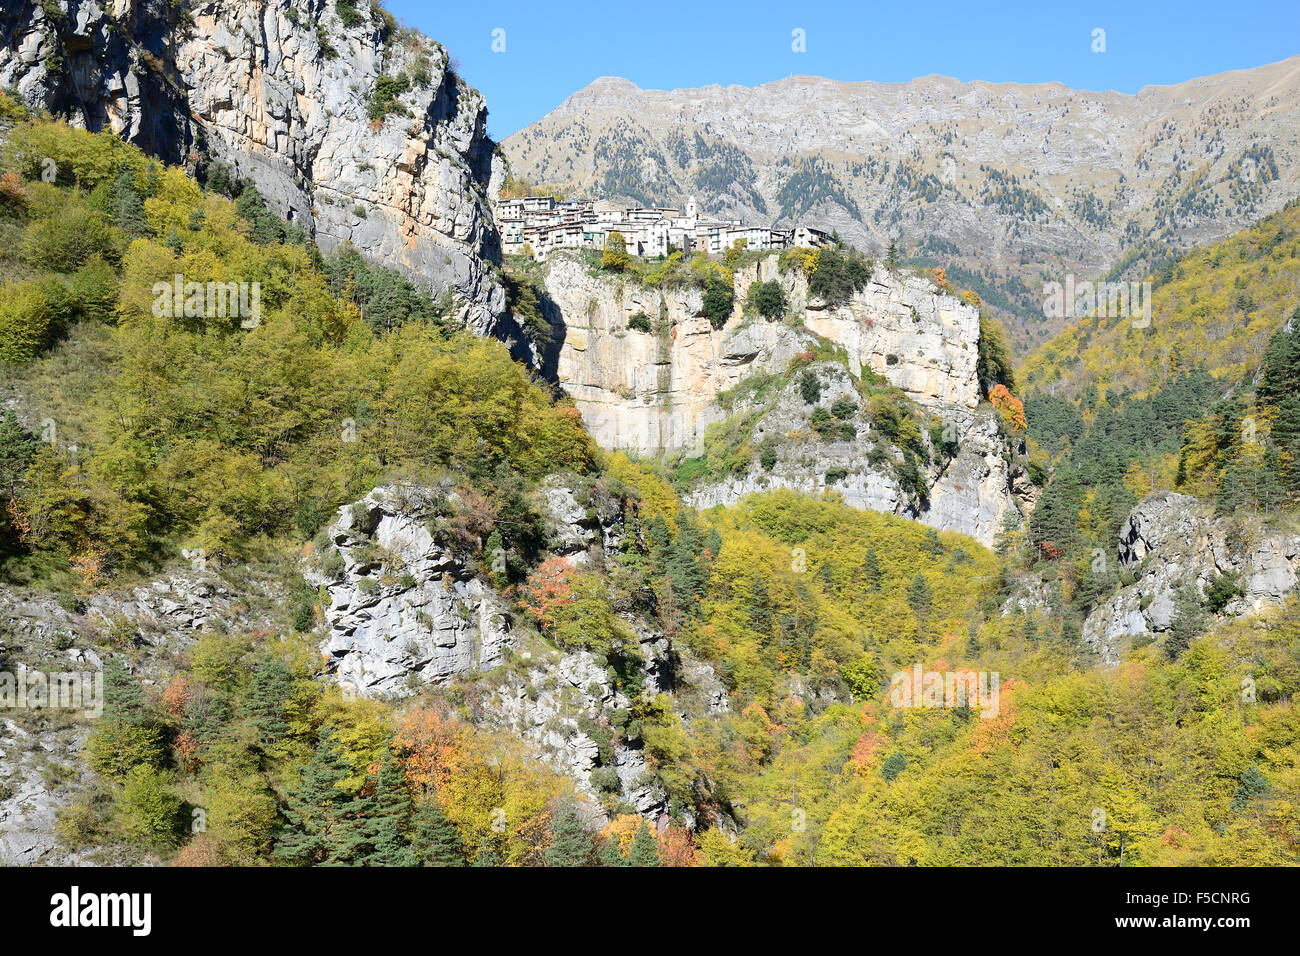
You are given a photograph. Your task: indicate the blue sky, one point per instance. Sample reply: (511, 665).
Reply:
(555, 47)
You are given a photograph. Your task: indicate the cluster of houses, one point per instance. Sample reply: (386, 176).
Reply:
(538, 225)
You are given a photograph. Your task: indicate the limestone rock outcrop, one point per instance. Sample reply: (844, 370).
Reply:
(653, 392)
(1171, 541)
(561, 703)
(658, 392)
(405, 610)
(280, 92)
(402, 607)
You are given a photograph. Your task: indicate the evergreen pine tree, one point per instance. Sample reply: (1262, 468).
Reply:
(687, 575)
(609, 855)
(318, 810)
(645, 849)
(352, 839)
(126, 205)
(571, 843)
(1188, 619)
(759, 604)
(434, 837)
(871, 571)
(271, 685)
(123, 696)
(659, 539)
(1053, 525)
(919, 595)
(392, 808)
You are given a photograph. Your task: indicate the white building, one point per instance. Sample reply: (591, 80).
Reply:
(811, 238)
(541, 225)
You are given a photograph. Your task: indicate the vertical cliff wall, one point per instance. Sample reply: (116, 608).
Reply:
(283, 91)
(652, 376)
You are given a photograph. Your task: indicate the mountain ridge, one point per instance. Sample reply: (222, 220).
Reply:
(615, 80)
(1003, 184)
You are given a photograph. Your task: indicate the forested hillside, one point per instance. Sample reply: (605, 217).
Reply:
(136, 437)
(1214, 307)
(1200, 402)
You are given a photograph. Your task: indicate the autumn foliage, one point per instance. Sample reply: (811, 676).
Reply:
(1009, 407)
(548, 590)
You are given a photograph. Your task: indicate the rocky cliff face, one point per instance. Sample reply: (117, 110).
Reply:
(280, 91)
(41, 766)
(1172, 541)
(660, 391)
(402, 609)
(654, 392)
(405, 611)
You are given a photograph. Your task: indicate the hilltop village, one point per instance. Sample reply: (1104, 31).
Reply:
(537, 225)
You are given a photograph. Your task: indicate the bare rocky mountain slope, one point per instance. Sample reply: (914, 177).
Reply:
(1003, 180)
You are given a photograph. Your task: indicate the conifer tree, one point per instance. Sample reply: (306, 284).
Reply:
(1188, 619)
(126, 205)
(610, 856)
(124, 698)
(271, 685)
(645, 849)
(871, 571)
(318, 810)
(919, 595)
(759, 604)
(434, 838)
(386, 828)
(571, 843)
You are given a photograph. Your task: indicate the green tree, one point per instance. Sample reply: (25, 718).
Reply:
(24, 322)
(993, 364)
(767, 299)
(919, 595)
(871, 570)
(241, 817)
(719, 299)
(893, 765)
(386, 828)
(127, 736)
(645, 849)
(810, 387)
(434, 837)
(571, 842)
(150, 809)
(839, 274)
(269, 691)
(1188, 621)
(1054, 523)
(17, 446)
(615, 255)
(320, 828)
(64, 242)
(891, 254)
(125, 204)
